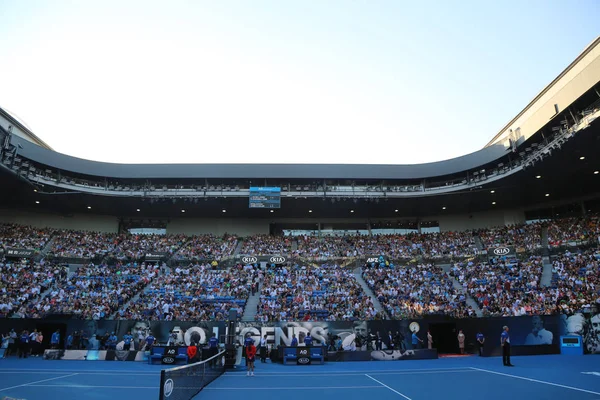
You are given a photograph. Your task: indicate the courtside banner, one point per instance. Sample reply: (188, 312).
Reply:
(19, 253)
(502, 251)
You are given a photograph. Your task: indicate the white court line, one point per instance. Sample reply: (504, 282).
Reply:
(325, 374)
(63, 370)
(157, 373)
(31, 383)
(384, 385)
(96, 387)
(362, 372)
(535, 380)
(295, 388)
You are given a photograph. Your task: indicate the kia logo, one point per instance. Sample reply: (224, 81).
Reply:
(277, 260)
(303, 360)
(501, 251)
(168, 387)
(168, 360)
(249, 260)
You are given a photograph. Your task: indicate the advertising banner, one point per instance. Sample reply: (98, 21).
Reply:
(502, 251)
(155, 256)
(19, 253)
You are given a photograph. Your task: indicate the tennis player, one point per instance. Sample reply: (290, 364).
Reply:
(251, 356)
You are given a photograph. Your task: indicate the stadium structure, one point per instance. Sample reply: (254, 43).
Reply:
(542, 164)
(315, 263)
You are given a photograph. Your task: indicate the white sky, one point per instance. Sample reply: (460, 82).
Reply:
(280, 82)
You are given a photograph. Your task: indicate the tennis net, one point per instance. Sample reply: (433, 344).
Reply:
(185, 382)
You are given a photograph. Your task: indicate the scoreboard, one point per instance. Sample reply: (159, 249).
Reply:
(265, 197)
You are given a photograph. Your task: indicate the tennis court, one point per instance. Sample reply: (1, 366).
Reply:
(534, 377)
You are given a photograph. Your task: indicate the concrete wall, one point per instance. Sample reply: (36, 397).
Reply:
(76, 222)
(246, 227)
(461, 222)
(220, 226)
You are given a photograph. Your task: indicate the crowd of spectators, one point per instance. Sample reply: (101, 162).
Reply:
(196, 292)
(95, 291)
(207, 247)
(577, 280)
(261, 245)
(23, 281)
(327, 292)
(24, 237)
(562, 232)
(445, 244)
(415, 290)
(83, 244)
(525, 237)
(507, 287)
(135, 247)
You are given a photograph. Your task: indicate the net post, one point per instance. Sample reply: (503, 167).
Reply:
(162, 385)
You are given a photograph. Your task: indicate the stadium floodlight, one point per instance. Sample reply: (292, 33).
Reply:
(582, 158)
(538, 177)
(596, 172)
(493, 203)
(547, 194)
(37, 202)
(89, 207)
(492, 191)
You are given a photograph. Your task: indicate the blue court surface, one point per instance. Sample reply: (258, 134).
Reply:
(534, 377)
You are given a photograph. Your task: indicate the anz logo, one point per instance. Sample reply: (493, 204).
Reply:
(501, 251)
(249, 260)
(277, 260)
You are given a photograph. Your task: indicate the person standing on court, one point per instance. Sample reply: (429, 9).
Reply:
(461, 341)
(480, 341)
(247, 342)
(55, 339)
(250, 357)
(429, 340)
(378, 341)
(213, 347)
(505, 341)
(416, 341)
(263, 349)
(294, 341)
(308, 340)
(24, 344)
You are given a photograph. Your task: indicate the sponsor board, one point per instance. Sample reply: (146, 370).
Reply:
(303, 356)
(249, 260)
(19, 253)
(501, 251)
(168, 387)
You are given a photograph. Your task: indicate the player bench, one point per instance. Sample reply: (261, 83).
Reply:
(168, 355)
(303, 355)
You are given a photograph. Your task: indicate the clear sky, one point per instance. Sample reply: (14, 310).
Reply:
(310, 81)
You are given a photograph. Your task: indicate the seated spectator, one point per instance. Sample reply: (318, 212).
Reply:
(328, 292)
(193, 293)
(415, 290)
